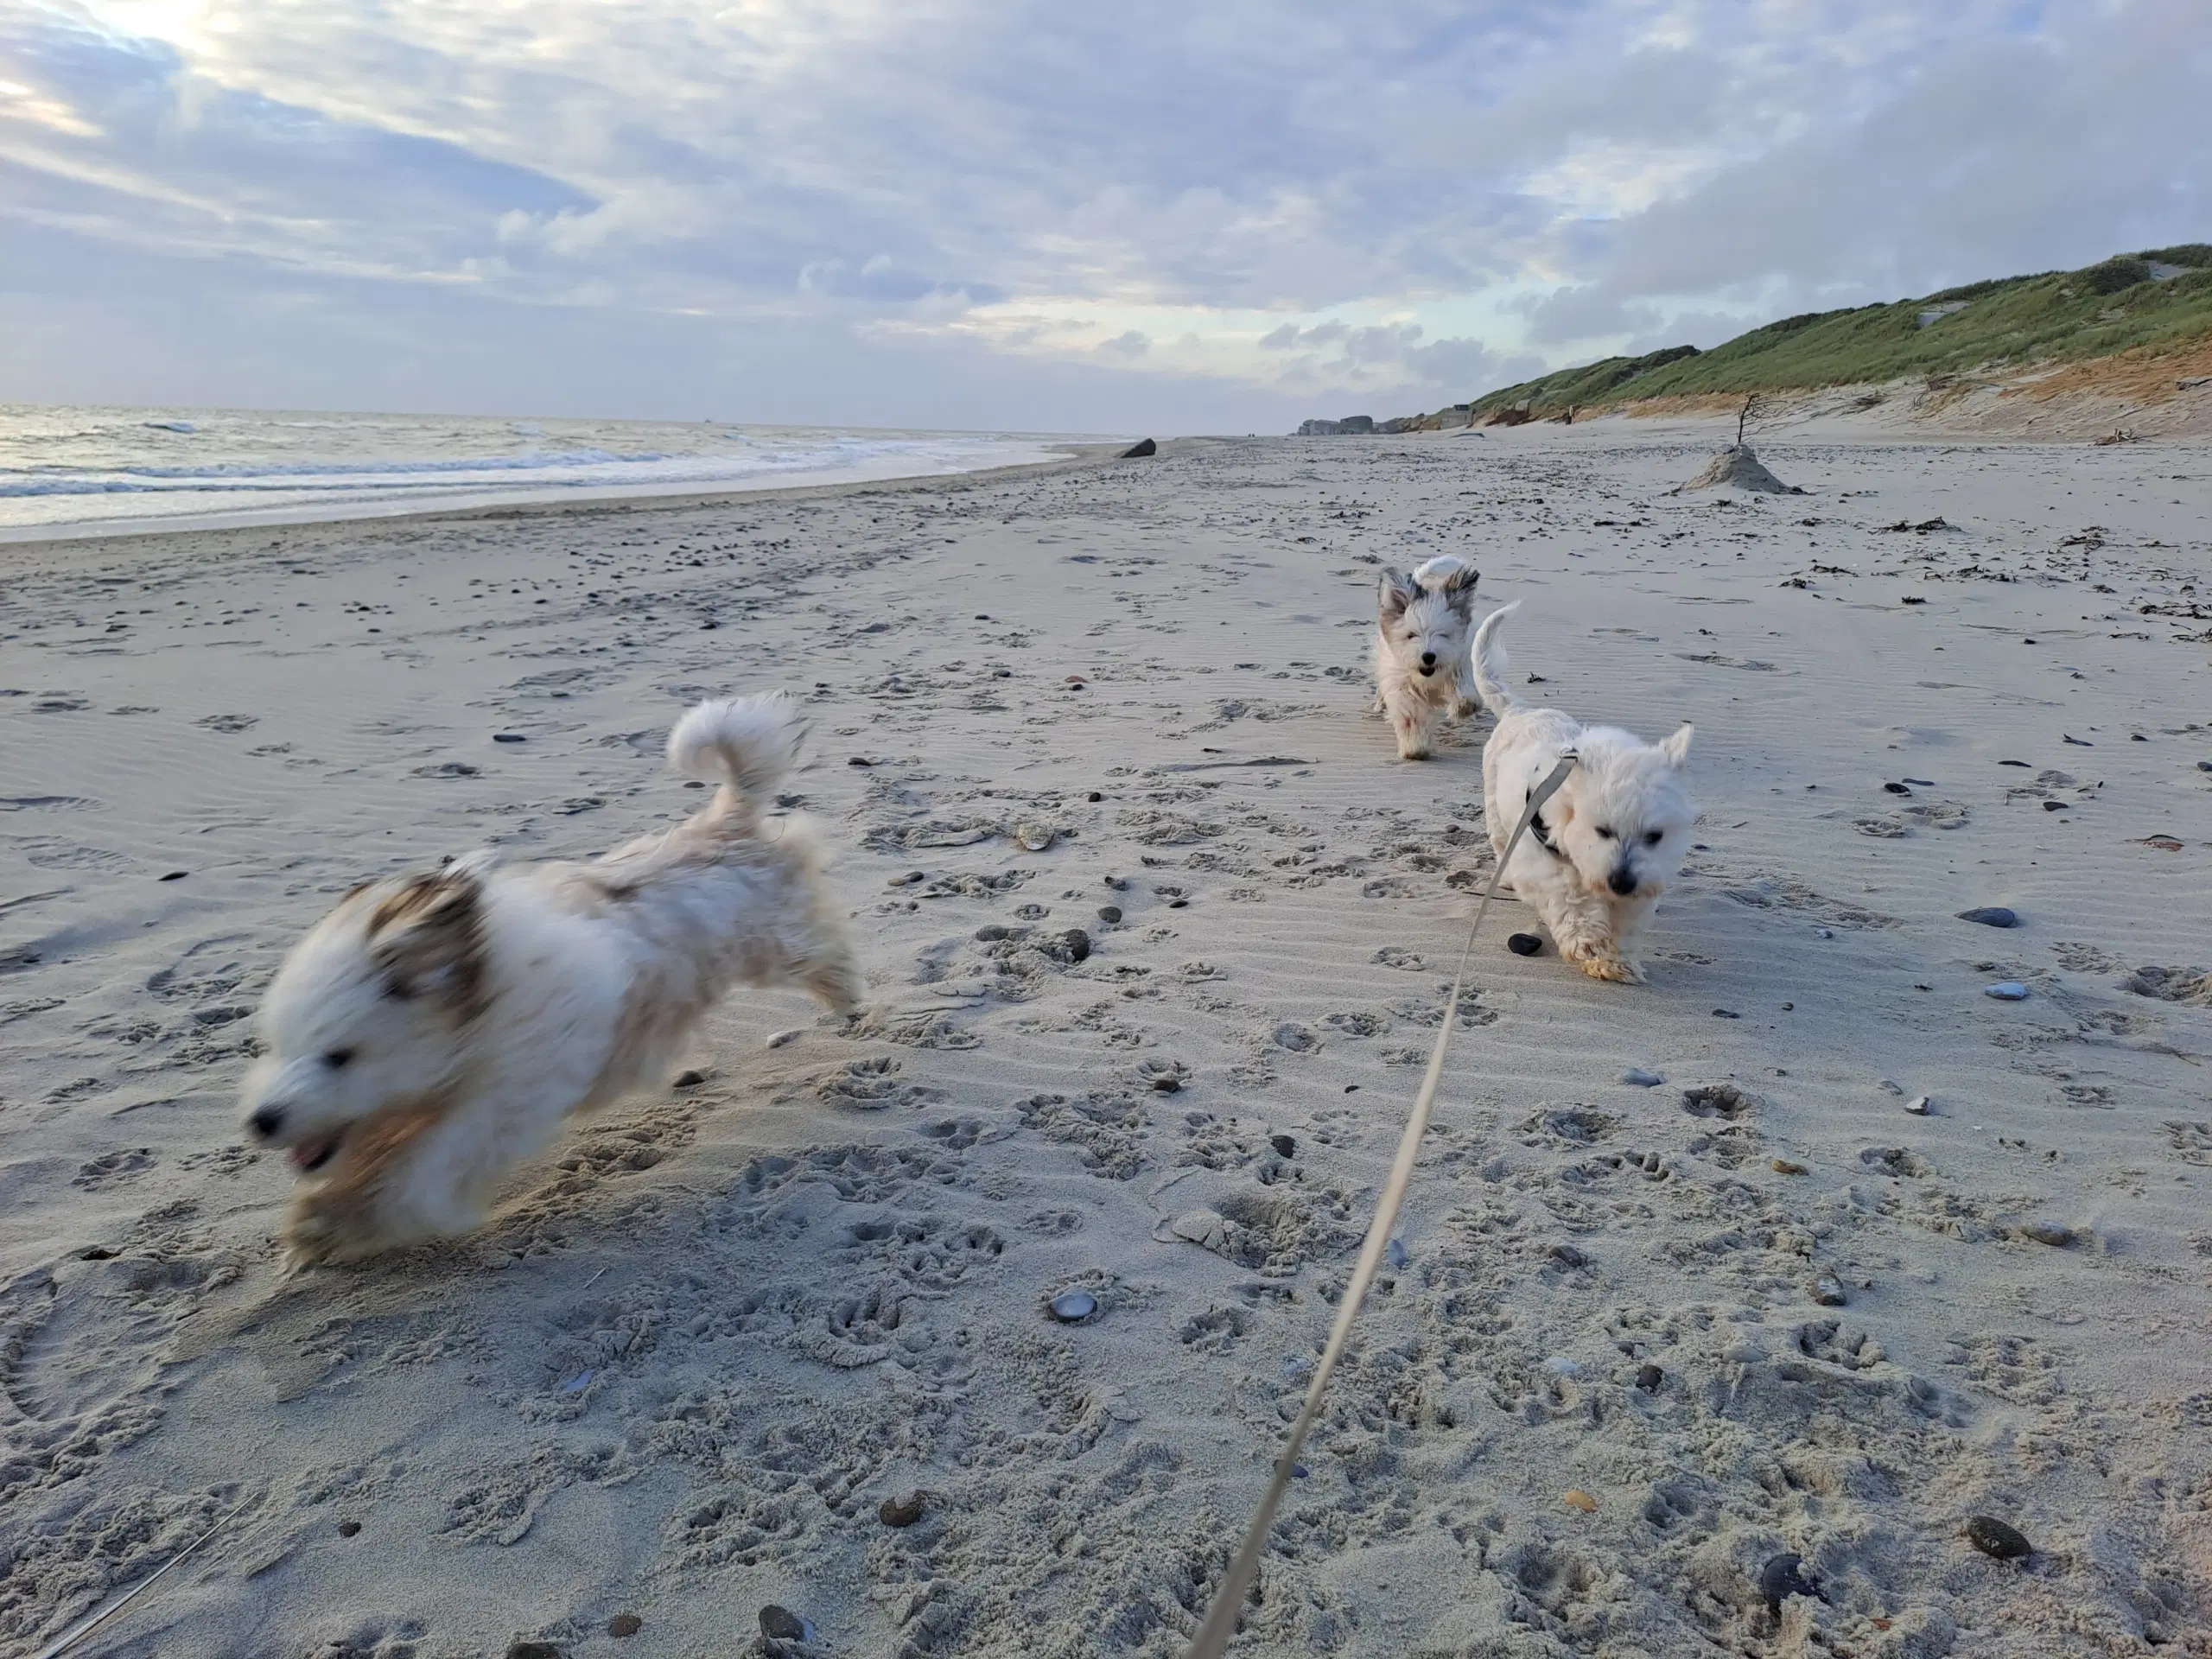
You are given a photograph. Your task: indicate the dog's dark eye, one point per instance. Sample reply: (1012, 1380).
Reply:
(339, 1059)
(1652, 837)
(1604, 833)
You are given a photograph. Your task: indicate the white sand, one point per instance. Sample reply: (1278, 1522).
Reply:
(699, 1346)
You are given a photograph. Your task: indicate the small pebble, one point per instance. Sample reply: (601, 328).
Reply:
(2054, 806)
(1917, 1105)
(2050, 1233)
(1177, 904)
(579, 1382)
(691, 1079)
(1119, 883)
(2006, 990)
(624, 1624)
(1990, 916)
(781, 1624)
(1298, 1471)
(529, 1649)
(1284, 1145)
(1575, 1498)
(1783, 1577)
(1523, 944)
(1649, 1377)
(348, 1529)
(1824, 933)
(1567, 1256)
(1110, 913)
(2204, 766)
(506, 737)
(1073, 1306)
(900, 1511)
(1167, 1082)
(1395, 1253)
(176, 875)
(1636, 1078)
(1992, 1537)
(1034, 837)
(1094, 797)
(1897, 789)
(1786, 1167)
(1079, 944)
(1828, 1291)
(776, 1040)
(1727, 1013)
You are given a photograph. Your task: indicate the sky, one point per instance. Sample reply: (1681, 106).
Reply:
(1213, 217)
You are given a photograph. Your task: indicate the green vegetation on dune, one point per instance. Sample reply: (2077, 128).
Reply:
(2124, 303)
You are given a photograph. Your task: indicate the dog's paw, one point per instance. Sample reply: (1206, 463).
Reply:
(1466, 709)
(1610, 968)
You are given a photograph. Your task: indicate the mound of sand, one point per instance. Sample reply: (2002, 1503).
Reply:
(1738, 466)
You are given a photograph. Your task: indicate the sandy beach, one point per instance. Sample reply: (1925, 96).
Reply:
(1158, 929)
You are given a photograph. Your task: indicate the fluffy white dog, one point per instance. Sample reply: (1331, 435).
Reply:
(1422, 671)
(435, 1029)
(1602, 850)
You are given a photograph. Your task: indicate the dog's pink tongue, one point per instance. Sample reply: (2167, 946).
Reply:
(308, 1153)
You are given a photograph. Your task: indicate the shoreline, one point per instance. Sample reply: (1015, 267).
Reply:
(580, 500)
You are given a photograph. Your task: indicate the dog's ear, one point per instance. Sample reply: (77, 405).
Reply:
(427, 939)
(1459, 589)
(1396, 593)
(1676, 748)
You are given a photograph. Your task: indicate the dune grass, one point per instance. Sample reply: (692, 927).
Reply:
(2117, 305)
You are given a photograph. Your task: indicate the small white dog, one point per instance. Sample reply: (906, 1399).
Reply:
(434, 1031)
(1422, 670)
(1600, 852)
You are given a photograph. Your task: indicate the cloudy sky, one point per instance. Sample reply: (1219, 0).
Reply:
(1223, 215)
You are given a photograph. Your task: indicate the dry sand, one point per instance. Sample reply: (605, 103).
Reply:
(702, 1343)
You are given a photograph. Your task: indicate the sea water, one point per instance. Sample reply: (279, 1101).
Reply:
(64, 468)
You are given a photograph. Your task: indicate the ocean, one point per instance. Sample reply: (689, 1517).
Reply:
(64, 468)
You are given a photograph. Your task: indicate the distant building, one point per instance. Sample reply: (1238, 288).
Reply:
(1350, 426)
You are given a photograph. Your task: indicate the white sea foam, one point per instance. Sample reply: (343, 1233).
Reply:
(66, 467)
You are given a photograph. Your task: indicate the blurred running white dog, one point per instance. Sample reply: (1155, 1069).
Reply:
(1422, 672)
(1600, 852)
(435, 1029)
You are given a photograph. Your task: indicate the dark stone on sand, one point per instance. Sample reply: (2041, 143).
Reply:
(1897, 789)
(1167, 1084)
(902, 1510)
(1992, 1537)
(348, 1529)
(1567, 1256)
(624, 1624)
(506, 737)
(781, 1624)
(1077, 942)
(1990, 916)
(2204, 766)
(446, 769)
(176, 875)
(534, 1650)
(1649, 1377)
(96, 1252)
(1110, 913)
(2054, 806)
(1783, 1577)
(1094, 796)
(1177, 904)
(1284, 1145)
(1140, 449)
(990, 933)
(1727, 1013)
(1119, 883)
(858, 760)
(691, 1079)
(1523, 944)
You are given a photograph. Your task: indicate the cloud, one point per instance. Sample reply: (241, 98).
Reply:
(1239, 206)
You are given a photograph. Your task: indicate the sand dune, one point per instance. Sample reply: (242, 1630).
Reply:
(1158, 929)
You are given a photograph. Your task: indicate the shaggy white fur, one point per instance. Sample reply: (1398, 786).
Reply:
(435, 1029)
(1602, 850)
(1422, 672)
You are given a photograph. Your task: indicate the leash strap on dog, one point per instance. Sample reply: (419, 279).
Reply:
(1212, 1640)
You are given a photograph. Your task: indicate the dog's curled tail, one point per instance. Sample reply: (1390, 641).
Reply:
(747, 743)
(1490, 663)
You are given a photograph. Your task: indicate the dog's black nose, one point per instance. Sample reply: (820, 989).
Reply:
(1623, 880)
(267, 1121)
(1428, 659)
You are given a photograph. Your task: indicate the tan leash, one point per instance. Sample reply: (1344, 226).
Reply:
(1212, 1640)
